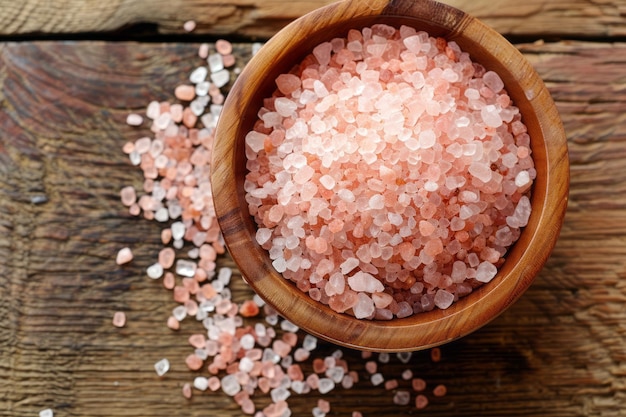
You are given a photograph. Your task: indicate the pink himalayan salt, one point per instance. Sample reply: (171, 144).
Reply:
(124, 256)
(421, 401)
(440, 390)
(119, 319)
(223, 47)
(185, 92)
(189, 26)
(404, 163)
(134, 119)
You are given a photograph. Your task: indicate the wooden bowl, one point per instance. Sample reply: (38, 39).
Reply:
(523, 261)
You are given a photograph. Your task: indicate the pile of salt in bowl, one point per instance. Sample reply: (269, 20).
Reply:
(388, 174)
(244, 348)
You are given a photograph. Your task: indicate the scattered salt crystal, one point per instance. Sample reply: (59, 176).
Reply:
(124, 256)
(201, 383)
(401, 397)
(155, 271)
(220, 78)
(230, 385)
(134, 119)
(189, 26)
(162, 367)
(325, 385)
(186, 268)
(443, 299)
(377, 379)
(46, 413)
(119, 319)
(223, 47)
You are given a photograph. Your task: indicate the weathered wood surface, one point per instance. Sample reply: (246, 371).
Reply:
(559, 351)
(262, 18)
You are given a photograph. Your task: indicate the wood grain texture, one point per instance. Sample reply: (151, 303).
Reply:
(559, 351)
(263, 18)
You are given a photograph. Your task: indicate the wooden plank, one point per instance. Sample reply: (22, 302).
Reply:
(559, 351)
(262, 18)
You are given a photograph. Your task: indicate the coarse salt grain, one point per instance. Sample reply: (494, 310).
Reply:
(124, 256)
(46, 413)
(398, 172)
(119, 319)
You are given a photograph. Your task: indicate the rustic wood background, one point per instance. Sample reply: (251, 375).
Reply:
(559, 351)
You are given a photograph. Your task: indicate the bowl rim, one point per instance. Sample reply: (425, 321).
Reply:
(424, 330)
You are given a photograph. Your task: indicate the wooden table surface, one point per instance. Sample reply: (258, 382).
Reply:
(71, 71)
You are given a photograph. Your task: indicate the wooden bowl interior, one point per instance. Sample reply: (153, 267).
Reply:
(525, 258)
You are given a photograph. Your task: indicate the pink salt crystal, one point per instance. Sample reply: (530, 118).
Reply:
(167, 257)
(288, 83)
(187, 393)
(421, 401)
(364, 282)
(443, 299)
(228, 61)
(134, 119)
(493, 81)
(214, 383)
(440, 390)
(169, 281)
(435, 354)
(189, 26)
(185, 92)
(322, 53)
(223, 47)
(172, 323)
(486, 271)
(323, 405)
(203, 50)
(119, 319)
(418, 384)
(128, 196)
(391, 384)
(124, 256)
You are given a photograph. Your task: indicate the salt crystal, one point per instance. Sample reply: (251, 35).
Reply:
(198, 75)
(216, 63)
(220, 78)
(377, 379)
(119, 319)
(162, 367)
(230, 385)
(486, 271)
(365, 282)
(46, 413)
(186, 268)
(493, 81)
(124, 255)
(201, 383)
(134, 119)
(189, 26)
(401, 397)
(443, 299)
(325, 385)
(522, 179)
(155, 271)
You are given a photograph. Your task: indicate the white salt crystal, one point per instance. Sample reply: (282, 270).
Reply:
(284, 106)
(198, 75)
(162, 215)
(178, 230)
(362, 281)
(443, 299)
(288, 326)
(186, 268)
(246, 364)
(216, 62)
(230, 385)
(155, 271)
(220, 78)
(202, 88)
(179, 312)
(327, 182)
(162, 366)
(325, 385)
(521, 214)
(201, 383)
(255, 141)
(404, 357)
(317, 412)
(364, 307)
(279, 394)
(490, 115)
(522, 178)
(377, 379)
(348, 265)
(486, 271)
(376, 202)
(309, 343)
(46, 413)
(493, 81)
(134, 119)
(402, 397)
(384, 357)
